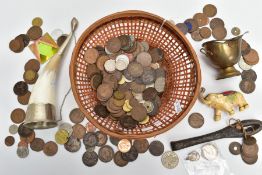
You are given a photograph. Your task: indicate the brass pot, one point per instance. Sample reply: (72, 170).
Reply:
(224, 54)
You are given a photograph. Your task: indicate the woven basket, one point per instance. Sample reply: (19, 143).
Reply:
(183, 70)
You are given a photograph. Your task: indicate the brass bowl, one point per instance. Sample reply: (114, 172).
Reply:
(224, 54)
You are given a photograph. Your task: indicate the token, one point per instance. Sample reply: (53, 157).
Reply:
(32, 64)
(113, 45)
(235, 148)
(61, 39)
(210, 10)
(249, 150)
(131, 155)
(201, 19)
(90, 139)
(101, 110)
(22, 152)
(144, 59)
(196, 120)
(106, 153)
(50, 148)
(123, 145)
(205, 32)
(20, 88)
(193, 25)
(243, 65)
(37, 144)
(110, 66)
(169, 159)
(139, 113)
(30, 76)
(73, 144)
(24, 99)
(196, 36)
(182, 27)
(67, 127)
(37, 21)
(118, 160)
(235, 31)
(249, 75)
(91, 55)
(34, 33)
(249, 160)
(18, 115)
(96, 80)
(251, 58)
(209, 151)
(156, 54)
(16, 46)
(219, 33)
(61, 136)
(135, 69)
(149, 76)
(247, 86)
(79, 131)
(141, 145)
(102, 138)
(76, 115)
(245, 47)
(101, 61)
(216, 23)
(9, 140)
(149, 94)
(13, 129)
(90, 158)
(156, 148)
(24, 131)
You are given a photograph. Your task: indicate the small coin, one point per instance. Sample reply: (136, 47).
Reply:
(9, 140)
(219, 33)
(196, 120)
(252, 58)
(101, 110)
(20, 88)
(32, 64)
(243, 65)
(156, 148)
(24, 131)
(79, 131)
(131, 155)
(235, 148)
(135, 69)
(13, 129)
(30, 76)
(114, 140)
(149, 94)
(76, 115)
(16, 46)
(50, 148)
(90, 158)
(139, 113)
(18, 115)
(73, 144)
(245, 47)
(191, 24)
(128, 122)
(118, 160)
(61, 136)
(201, 19)
(37, 21)
(61, 39)
(90, 139)
(141, 145)
(216, 23)
(24, 99)
(249, 150)
(102, 138)
(37, 144)
(22, 152)
(113, 45)
(182, 27)
(91, 55)
(249, 160)
(106, 153)
(124, 145)
(249, 75)
(66, 126)
(196, 36)
(210, 10)
(169, 159)
(205, 32)
(23, 38)
(209, 151)
(34, 33)
(247, 86)
(235, 31)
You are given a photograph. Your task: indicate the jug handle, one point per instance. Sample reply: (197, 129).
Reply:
(205, 52)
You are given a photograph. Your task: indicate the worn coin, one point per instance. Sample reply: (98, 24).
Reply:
(34, 33)
(101, 110)
(37, 21)
(16, 46)
(90, 148)
(157, 54)
(169, 159)
(144, 58)
(135, 69)
(245, 47)
(96, 80)
(22, 152)
(201, 19)
(209, 151)
(235, 148)
(76, 115)
(37, 144)
(118, 160)
(210, 10)
(24, 99)
(219, 33)
(9, 140)
(141, 145)
(114, 140)
(249, 75)
(50, 148)
(92, 70)
(102, 138)
(235, 31)
(66, 126)
(32, 64)
(249, 160)
(196, 120)
(156, 148)
(124, 145)
(139, 113)
(105, 91)
(90, 127)
(128, 122)
(113, 45)
(90, 158)
(24, 131)
(91, 55)
(30, 76)
(73, 144)
(106, 153)
(90, 139)
(149, 94)
(250, 140)
(182, 27)
(252, 58)
(79, 131)
(20, 88)
(247, 86)
(196, 36)
(249, 150)
(29, 138)
(216, 23)
(131, 155)
(61, 39)
(23, 38)
(61, 136)
(13, 129)
(205, 32)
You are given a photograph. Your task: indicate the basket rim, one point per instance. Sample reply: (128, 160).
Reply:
(167, 24)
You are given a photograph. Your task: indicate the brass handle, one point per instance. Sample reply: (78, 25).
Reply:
(205, 52)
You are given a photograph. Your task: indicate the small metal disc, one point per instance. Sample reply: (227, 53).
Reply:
(169, 159)
(235, 148)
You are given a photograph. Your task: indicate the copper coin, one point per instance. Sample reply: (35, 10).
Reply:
(101, 110)
(90, 139)
(141, 145)
(196, 36)
(252, 58)
(37, 144)
(50, 148)
(249, 75)
(24, 131)
(76, 115)
(102, 138)
(135, 69)
(250, 140)
(191, 24)
(106, 153)
(24, 99)
(16, 46)
(125, 42)
(101, 61)
(73, 144)
(247, 86)
(144, 59)
(210, 10)
(156, 148)
(219, 33)
(114, 140)
(245, 47)
(249, 150)
(196, 120)
(149, 94)
(249, 160)
(20, 88)
(201, 19)
(32, 64)
(131, 155)
(205, 32)
(96, 80)
(139, 113)
(118, 160)
(216, 22)
(105, 91)
(113, 45)
(235, 148)
(90, 158)
(23, 38)
(22, 143)
(92, 70)
(118, 75)
(128, 122)
(29, 138)
(30, 76)
(157, 54)
(37, 21)
(34, 33)
(79, 131)
(91, 55)
(235, 31)
(182, 27)
(18, 115)
(61, 39)
(9, 140)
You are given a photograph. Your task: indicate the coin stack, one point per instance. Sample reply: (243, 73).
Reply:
(128, 79)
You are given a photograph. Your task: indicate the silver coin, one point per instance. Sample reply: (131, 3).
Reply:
(13, 129)
(56, 33)
(193, 156)
(90, 148)
(243, 65)
(209, 151)
(22, 152)
(169, 159)
(66, 126)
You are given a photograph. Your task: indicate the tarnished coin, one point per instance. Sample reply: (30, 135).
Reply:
(73, 144)
(23, 38)
(125, 42)
(37, 144)
(247, 86)
(235, 148)
(90, 127)
(205, 32)
(105, 91)
(102, 138)
(124, 145)
(252, 58)
(243, 65)
(235, 31)
(18, 115)
(22, 143)
(169, 159)
(145, 45)
(32, 64)
(22, 152)
(110, 66)
(50, 148)
(9, 140)
(210, 10)
(30, 76)
(249, 160)
(131, 155)
(249, 150)
(101, 110)
(96, 80)
(250, 140)
(201, 19)
(139, 113)
(24, 99)
(92, 70)
(156, 148)
(79, 131)
(182, 27)
(34, 33)
(149, 94)
(24, 131)
(118, 160)
(249, 75)
(216, 23)
(106, 153)
(141, 145)
(144, 59)
(29, 138)
(113, 45)
(61, 39)
(13, 129)
(157, 54)
(20, 88)
(196, 36)
(61, 136)
(135, 69)
(90, 148)
(16, 46)
(90, 158)
(91, 55)
(90, 139)
(149, 76)
(219, 33)
(209, 151)
(160, 84)
(76, 115)
(196, 120)
(66, 126)
(245, 47)
(191, 24)
(114, 140)
(128, 122)
(37, 21)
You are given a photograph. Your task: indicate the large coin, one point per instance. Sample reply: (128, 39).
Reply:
(205, 32)
(37, 144)
(219, 33)
(169, 159)
(235, 148)
(113, 45)
(73, 144)
(115, 140)
(34, 33)
(243, 65)
(91, 55)
(90, 158)
(90, 139)
(102, 138)
(50, 148)
(24, 99)
(216, 22)
(247, 86)
(196, 120)
(128, 122)
(101, 110)
(156, 148)
(119, 161)
(141, 145)
(252, 58)
(249, 75)
(196, 36)
(106, 153)
(76, 116)
(18, 115)
(131, 155)
(201, 19)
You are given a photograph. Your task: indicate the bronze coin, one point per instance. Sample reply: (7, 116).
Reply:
(249, 75)
(90, 139)
(20, 88)
(149, 75)
(105, 91)
(101, 110)
(128, 122)
(144, 59)
(106, 153)
(18, 115)
(252, 58)
(216, 22)
(247, 86)
(205, 32)
(191, 24)
(61, 39)
(249, 160)
(32, 64)
(16, 46)
(131, 155)
(113, 45)
(210, 10)
(201, 19)
(34, 33)
(29, 138)
(249, 150)
(235, 148)
(196, 120)
(157, 54)
(79, 131)
(149, 94)
(90, 158)
(219, 33)
(24, 99)
(92, 70)
(91, 55)
(141, 145)
(23, 38)
(9, 140)
(245, 47)
(118, 75)
(50, 148)
(96, 80)
(137, 88)
(118, 160)
(30, 76)
(102, 138)
(139, 113)
(196, 36)
(135, 69)
(76, 115)
(182, 27)
(114, 140)
(156, 148)
(101, 61)
(37, 144)
(24, 131)
(250, 140)
(119, 95)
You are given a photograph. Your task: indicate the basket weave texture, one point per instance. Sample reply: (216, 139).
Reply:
(183, 70)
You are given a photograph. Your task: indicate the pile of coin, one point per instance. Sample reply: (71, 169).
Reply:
(128, 79)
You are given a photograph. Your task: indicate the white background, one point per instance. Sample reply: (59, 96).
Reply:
(16, 16)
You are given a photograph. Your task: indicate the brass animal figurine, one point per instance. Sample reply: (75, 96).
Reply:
(225, 101)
